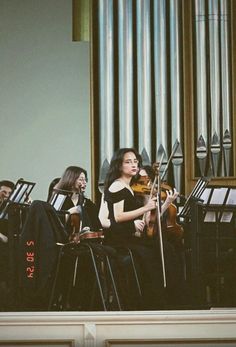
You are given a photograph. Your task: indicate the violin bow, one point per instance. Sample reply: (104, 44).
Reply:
(170, 158)
(152, 189)
(158, 210)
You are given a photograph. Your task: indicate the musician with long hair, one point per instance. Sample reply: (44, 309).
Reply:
(74, 179)
(126, 225)
(121, 213)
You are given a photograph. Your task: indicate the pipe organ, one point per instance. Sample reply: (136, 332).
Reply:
(213, 101)
(164, 73)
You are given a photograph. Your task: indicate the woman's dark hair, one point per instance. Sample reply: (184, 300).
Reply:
(67, 181)
(150, 171)
(114, 171)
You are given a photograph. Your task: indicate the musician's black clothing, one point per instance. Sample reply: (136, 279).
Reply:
(146, 253)
(123, 231)
(3, 251)
(89, 212)
(4, 264)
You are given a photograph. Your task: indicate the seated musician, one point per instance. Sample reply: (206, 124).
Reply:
(121, 213)
(142, 187)
(75, 179)
(83, 211)
(148, 173)
(47, 230)
(6, 188)
(172, 233)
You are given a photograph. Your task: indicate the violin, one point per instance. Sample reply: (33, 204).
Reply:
(77, 236)
(76, 223)
(154, 221)
(145, 188)
(173, 230)
(95, 235)
(142, 186)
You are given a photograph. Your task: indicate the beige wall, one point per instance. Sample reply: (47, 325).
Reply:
(119, 329)
(44, 93)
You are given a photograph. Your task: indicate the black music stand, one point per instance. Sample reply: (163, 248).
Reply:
(195, 195)
(214, 248)
(58, 198)
(230, 202)
(19, 195)
(215, 204)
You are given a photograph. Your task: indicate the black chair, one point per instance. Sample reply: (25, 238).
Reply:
(128, 279)
(84, 278)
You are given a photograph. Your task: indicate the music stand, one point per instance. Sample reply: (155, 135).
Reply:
(215, 205)
(230, 203)
(58, 198)
(19, 195)
(194, 195)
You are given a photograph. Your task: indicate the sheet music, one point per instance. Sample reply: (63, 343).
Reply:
(58, 198)
(197, 193)
(210, 216)
(205, 195)
(231, 200)
(58, 201)
(19, 193)
(226, 217)
(15, 192)
(218, 196)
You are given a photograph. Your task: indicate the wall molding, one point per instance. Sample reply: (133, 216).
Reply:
(95, 328)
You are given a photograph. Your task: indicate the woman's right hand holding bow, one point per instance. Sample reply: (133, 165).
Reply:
(151, 204)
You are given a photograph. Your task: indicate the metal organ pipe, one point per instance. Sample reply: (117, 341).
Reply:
(106, 80)
(214, 83)
(201, 81)
(144, 76)
(176, 120)
(225, 90)
(125, 38)
(160, 75)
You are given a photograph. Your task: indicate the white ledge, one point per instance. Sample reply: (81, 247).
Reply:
(121, 317)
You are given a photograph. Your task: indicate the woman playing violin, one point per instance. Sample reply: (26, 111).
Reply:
(83, 223)
(75, 179)
(120, 207)
(142, 185)
(122, 213)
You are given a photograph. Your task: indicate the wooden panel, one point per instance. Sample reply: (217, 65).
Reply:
(233, 75)
(81, 20)
(171, 343)
(39, 343)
